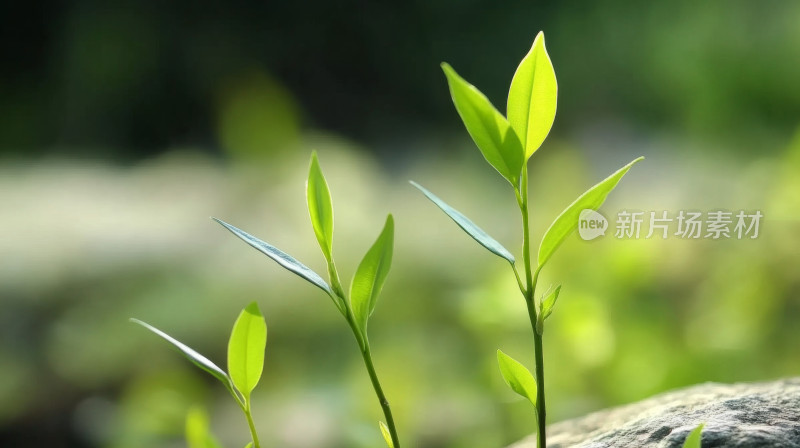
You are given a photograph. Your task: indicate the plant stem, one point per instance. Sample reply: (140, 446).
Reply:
(249, 415)
(363, 344)
(387, 411)
(530, 294)
(541, 408)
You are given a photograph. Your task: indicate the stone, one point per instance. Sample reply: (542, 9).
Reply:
(742, 415)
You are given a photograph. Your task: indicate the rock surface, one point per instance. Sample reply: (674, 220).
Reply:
(744, 415)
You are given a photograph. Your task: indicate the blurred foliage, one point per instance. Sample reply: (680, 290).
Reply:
(123, 128)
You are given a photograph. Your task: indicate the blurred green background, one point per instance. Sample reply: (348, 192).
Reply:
(125, 125)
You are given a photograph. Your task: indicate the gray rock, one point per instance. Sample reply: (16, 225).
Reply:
(744, 415)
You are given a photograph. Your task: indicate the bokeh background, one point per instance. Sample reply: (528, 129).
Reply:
(125, 125)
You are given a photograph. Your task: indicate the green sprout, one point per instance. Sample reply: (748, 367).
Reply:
(245, 365)
(364, 288)
(507, 143)
(694, 437)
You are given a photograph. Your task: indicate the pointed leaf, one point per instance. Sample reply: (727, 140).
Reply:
(370, 275)
(387, 436)
(319, 206)
(246, 349)
(196, 358)
(518, 378)
(198, 434)
(280, 257)
(532, 97)
(567, 221)
(694, 438)
(549, 302)
(488, 128)
(546, 308)
(468, 226)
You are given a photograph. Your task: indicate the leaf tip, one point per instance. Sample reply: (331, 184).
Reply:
(449, 72)
(501, 355)
(253, 309)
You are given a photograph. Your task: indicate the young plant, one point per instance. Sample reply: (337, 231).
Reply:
(364, 288)
(245, 364)
(694, 437)
(507, 143)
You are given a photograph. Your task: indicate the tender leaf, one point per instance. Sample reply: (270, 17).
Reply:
(532, 97)
(198, 434)
(280, 257)
(546, 308)
(694, 438)
(488, 128)
(196, 358)
(549, 302)
(387, 436)
(370, 275)
(249, 445)
(319, 206)
(468, 226)
(246, 349)
(567, 221)
(518, 378)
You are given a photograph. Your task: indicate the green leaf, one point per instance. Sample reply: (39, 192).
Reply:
(532, 97)
(518, 378)
(468, 226)
(387, 436)
(196, 358)
(567, 221)
(546, 308)
(198, 434)
(370, 275)
(549, 302)
(246, 349)
(319, 206)
(280, 257)
(488, 128)
(694, 437)
(249, 445)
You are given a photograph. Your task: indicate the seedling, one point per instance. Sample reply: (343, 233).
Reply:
(507, 143)
(245, 364)
(364, 288)
(694, 437)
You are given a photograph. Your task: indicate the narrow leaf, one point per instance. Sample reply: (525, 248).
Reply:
(249, 445)
(387, 436)
(694, 438)
(198, 434)
(488, 128)
(319, 206)
(549, 302)
(370, 275)
(518, 378)
(532, 97)
(468, 226)
(246, 349)
(567, 221)
(196, 358)
(280, 257)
